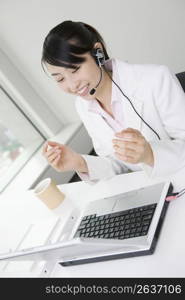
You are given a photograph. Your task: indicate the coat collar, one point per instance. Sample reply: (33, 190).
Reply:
(132, 120)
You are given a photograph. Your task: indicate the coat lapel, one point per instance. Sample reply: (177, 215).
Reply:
(130, 89)
(101, 125)
(103, 133)
(132, 120)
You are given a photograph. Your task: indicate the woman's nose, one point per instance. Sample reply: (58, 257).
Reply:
(73, 86)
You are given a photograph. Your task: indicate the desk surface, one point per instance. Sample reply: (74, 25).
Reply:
(166, 261)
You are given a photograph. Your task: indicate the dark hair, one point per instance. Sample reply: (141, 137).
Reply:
(67, 40)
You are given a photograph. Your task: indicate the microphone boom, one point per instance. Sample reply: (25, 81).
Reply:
(93, 90)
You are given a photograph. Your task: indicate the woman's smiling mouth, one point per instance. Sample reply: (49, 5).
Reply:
(83, 91)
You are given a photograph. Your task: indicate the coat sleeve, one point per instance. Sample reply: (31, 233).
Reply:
(102, 166)
(169, 98)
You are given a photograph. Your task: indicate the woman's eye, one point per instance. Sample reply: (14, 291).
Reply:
(76, 69)
(72, 72)
(60, 80)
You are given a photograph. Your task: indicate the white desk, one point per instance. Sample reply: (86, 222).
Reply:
(168, 258)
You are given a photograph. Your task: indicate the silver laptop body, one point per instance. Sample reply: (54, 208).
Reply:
(71, 250)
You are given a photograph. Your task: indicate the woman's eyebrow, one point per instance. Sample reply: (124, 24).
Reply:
(53, 74)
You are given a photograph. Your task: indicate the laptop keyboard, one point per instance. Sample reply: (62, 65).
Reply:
(119, 225)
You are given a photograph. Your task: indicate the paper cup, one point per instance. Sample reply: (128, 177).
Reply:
(49, 193)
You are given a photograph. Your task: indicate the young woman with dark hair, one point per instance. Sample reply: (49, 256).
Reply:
(133, 113)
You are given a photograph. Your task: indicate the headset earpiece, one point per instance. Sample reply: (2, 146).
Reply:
(98, 54)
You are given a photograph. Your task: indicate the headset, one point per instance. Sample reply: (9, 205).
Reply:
(99, 57)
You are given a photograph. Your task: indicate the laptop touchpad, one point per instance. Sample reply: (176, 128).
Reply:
(117, 203)
(126, 201)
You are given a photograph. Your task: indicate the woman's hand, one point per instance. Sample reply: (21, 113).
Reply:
(63, 158)
(132, 147)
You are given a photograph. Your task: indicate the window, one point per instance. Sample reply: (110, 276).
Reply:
(19, 139)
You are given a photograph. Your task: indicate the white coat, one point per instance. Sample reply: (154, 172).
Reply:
(159, 98)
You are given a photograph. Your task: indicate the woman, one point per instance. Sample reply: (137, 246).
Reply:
(133, 113)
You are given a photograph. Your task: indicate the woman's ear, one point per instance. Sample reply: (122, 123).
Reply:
(99, 56)
(98, 45)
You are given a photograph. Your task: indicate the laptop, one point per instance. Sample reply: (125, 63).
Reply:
(120, 226)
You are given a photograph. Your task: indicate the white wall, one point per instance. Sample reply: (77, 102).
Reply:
(137, 31)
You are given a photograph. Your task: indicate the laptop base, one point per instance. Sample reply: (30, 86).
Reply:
(123, 255)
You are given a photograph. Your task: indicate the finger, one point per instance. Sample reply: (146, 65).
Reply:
(129, 129)
(48, 145)
(124, 145)
(52, 156)
(44, 149)
(127, 144)
(123, 157)
(52, 150)
(51, 143)
(125, 152)
(129, 134)
(55, 161)
(127, 159)
(133, 137)
(132, 130)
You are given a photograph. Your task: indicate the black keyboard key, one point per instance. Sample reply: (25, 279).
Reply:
(132, 225)
(102, 227)
(138, 214)
(97, 227)
(102, 236)
(147, 212)
(78, 233)
(107, 226)
(92, 224)
(127, 221)
(144, 228)
(107, 235)
(143, 233)
(82, 226)
(116, 234)
(148, 217)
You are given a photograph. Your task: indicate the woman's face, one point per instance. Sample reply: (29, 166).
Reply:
(78, 81)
